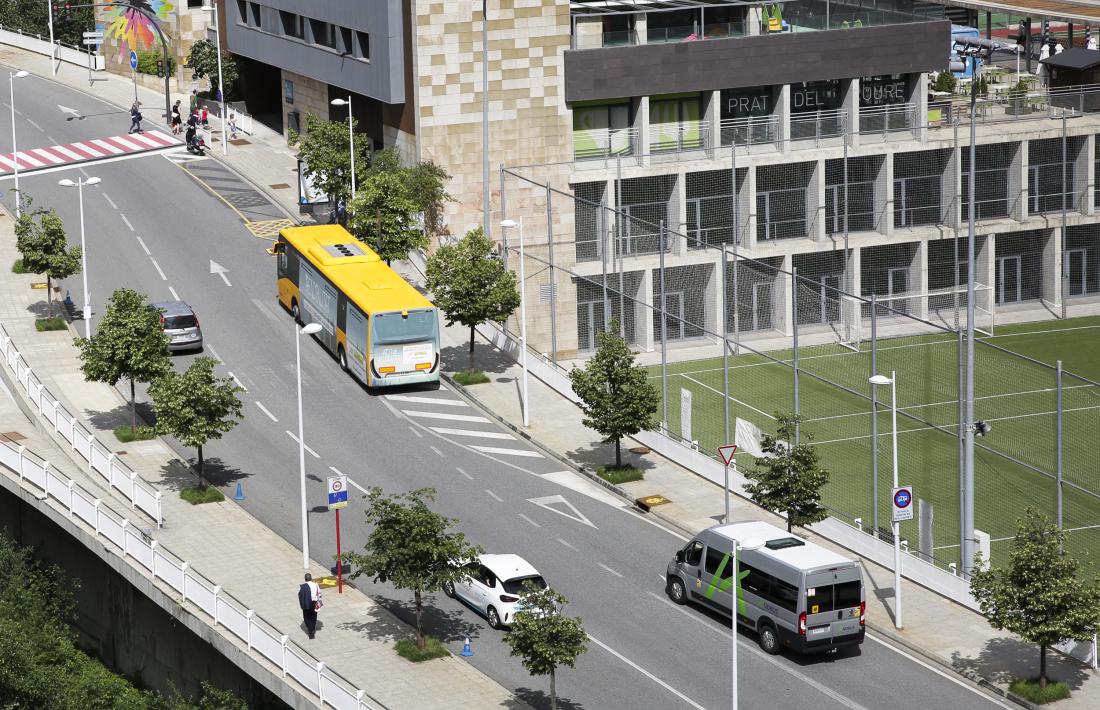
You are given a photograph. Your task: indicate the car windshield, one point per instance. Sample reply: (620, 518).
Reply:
(516, 586)
(178, 322)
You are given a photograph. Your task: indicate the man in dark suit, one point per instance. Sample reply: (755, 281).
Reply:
(309, 609)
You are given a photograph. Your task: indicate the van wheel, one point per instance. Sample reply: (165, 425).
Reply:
(493, 617)
(769, 641)
(676, 590)
(449, 589)
(295, 312)
(342, 356)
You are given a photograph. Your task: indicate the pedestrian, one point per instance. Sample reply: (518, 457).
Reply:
(233, 125)
(194, 101)
(135, 118)
(204, 116)
(309, 599)
(177, 119)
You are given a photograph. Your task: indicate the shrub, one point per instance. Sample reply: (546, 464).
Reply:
(1028, 689)
(198, 496)
(18, 268)
(147, 62)
(471, 377)
(945, 81)
(406, 648)
(44, 324)
(620, 474)
(143, 433)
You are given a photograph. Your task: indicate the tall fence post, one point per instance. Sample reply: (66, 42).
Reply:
(1058, 434)
(794, 330)
(617, 247)
(664, 325)
(736, 242)
(874, 410)
(605, 237)
(1062, 255)
(725, 376)
(553, 280)
(503, 232)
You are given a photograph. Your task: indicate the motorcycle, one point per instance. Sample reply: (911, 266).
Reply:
(196, 145)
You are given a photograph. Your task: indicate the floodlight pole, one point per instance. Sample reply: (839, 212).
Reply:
(967, 507)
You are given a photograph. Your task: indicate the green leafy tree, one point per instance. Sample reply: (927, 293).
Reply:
(543, 638)
(203, 62)
(383, 214)
(129, 343)
(616, 396)
(788, 478)
(1038, 596)
(32, 17)
(324, 146)
(195, 406)
(40, 238)
(411, 547)
(470, 285)
(426, 184)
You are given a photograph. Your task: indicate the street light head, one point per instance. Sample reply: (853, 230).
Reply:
(880, 380)
(751, 543)
(66, 183)
(339, 102)
(92, 181)
(21, 73)
(310, 329)
(508, 223)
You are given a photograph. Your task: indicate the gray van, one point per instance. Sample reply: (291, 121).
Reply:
(180, 324)
(795, 594)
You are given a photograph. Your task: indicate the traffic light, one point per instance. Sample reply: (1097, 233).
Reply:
(68, 11)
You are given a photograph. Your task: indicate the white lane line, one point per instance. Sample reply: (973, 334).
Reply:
(559, 539)
(160, 270)
(176, 297)
(215, 352)
(235, 378)
(128, 221)
(112, 202)
(432, 447)
(337, 472)
(146, 249)
(601, 564)
(644, 672)
(468, 476)
(494, 495)
(304, 446)
(426, 400)
(937, 671)
(472, 432)
(31, 121)
(441, 415)
(413, 429)
(521, 515)
(263, 408)
(507, 452)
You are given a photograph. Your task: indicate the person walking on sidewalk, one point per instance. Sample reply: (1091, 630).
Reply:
(309, 599)
(135, 118)
(177, 119)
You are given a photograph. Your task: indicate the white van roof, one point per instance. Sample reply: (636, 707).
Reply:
(805, 556)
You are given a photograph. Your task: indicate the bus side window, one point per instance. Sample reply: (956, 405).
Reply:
(282, 259)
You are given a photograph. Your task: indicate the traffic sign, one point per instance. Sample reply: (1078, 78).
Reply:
(93, 41)
(133, 60)
(93, 35)
(726, 451)
(337, 492)
(903, 504)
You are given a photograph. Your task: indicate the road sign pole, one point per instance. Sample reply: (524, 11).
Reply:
(339, 562)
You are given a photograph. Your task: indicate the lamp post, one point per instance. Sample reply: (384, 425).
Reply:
(211, 6)
(351, 138)
(751, 543)
(892, 381)
(300, 331)
(79, 185)
(12, 76)
(508, 224)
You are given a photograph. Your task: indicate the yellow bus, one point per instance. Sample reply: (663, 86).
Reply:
(381, 329)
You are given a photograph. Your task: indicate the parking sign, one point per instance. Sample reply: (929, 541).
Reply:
(903, 504)
(337, 492)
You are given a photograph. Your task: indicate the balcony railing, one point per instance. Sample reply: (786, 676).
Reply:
(759, 131)
(602, 143)
(881, 121)
(818, 126)
(678, 137)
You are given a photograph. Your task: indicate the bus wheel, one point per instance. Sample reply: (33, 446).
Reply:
(769, 641)
(296, 312)
(342, 356)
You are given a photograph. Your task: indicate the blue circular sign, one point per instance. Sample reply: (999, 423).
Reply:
(902, 499)
(133, 60)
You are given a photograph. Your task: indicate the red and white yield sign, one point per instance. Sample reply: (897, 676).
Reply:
(727, 451)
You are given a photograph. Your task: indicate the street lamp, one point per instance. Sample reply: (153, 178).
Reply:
(211, 6)
(304, 330)
(79, 185)
(508, 224)
(752, 543)
(892, 381)
(12, 76)
(351, 137)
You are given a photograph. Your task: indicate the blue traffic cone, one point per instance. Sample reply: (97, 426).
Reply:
(466, 651)
(240, 493)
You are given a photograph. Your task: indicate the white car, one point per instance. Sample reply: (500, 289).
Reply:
(495, 585)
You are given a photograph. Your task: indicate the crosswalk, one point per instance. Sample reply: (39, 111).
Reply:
(35, 160)
(447, 415)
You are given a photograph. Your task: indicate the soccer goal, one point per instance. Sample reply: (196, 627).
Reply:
(849, 329)
(947, 307)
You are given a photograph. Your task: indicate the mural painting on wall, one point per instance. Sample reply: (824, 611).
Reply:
(132, 29)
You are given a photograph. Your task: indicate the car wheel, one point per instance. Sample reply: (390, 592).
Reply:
(494, 618)
(769, 641)
(342, 356)
(676, 590)
(449, 589)
(296, 312)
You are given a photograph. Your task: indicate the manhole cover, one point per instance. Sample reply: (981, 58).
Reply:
(640, 450)
(13, 436)
(647, 502)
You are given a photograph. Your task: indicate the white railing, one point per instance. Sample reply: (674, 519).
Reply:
(884, 120)
(678, 136)
(101, 460)
(751, 131)
(603, 143)
(38, 44)
(138, 545)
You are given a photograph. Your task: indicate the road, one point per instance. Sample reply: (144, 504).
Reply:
(155, 225)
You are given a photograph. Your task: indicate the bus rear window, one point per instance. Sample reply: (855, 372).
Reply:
(395, 328)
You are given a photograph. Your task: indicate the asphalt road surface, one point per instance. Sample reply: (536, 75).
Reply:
(156, 223)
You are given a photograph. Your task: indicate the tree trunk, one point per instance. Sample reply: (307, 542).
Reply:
(1042, 665)
(618, 453)
(133, 408)
(201, 471)
(49, 296)
(553, 692)
(471, 348)
(419, 626)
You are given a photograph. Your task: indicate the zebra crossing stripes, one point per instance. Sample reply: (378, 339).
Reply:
(472, 432)
(507, 452)
(35, 159)
(445, 415)
(464, 433)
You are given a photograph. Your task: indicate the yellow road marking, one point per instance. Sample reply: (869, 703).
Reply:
(264, 229)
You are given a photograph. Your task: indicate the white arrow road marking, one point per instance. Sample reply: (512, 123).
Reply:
(583, 486)
(549, 501)
(72, 111)
(216, 268)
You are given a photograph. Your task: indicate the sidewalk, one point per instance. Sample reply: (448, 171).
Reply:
(937, 629)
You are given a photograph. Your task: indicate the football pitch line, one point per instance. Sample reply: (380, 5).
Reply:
(732, 399)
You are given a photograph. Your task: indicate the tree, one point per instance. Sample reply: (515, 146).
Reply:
(1038, 596)
(40, 238)
(203, 61)
(788, 478)
(324, 148)
(196, 406)
(129, 343)
(425, 182)
(616, 396)
(383, 214)
(411, 547)
(543, 638)
(470, 285)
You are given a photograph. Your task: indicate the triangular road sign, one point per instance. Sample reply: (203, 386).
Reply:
(549, 502)
(726, 452)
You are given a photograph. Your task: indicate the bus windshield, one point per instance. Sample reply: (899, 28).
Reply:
(395, 328)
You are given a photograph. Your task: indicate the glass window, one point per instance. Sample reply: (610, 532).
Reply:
(364, 45)
(693, 554)
(516, 586)
(323, 33)
(486, 577)
(846, 595)
(756, 581)
(716, 559)
(242, 10)
(819, 599)
(785, 595)
(288, 91)
(292, 24)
